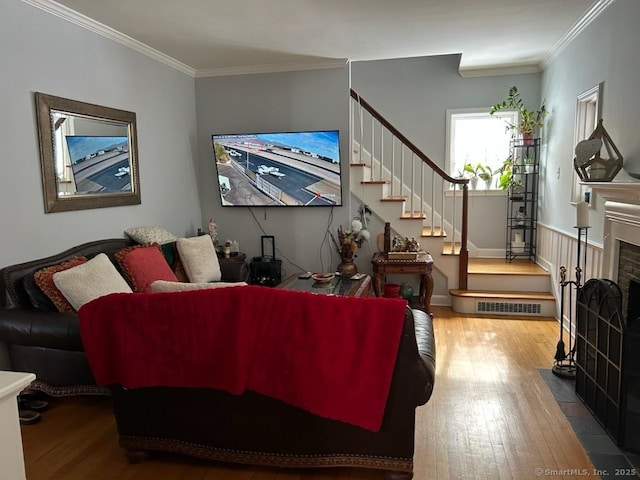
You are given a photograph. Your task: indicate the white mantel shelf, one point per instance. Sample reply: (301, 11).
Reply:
(628, 192)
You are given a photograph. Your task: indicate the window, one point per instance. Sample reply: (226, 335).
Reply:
(474, 136)
(588, 112)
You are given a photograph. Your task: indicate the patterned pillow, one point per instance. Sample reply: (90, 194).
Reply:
(146, 235)
(93, 279)
(199, 258)
(44, 280)
(143, 264)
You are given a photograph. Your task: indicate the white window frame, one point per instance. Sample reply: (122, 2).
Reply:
(588, 113)
(509, 116)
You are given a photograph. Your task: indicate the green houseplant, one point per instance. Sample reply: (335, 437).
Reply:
(479, 171)
(528, 120)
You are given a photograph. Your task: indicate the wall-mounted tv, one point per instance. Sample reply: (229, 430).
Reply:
(284, 169)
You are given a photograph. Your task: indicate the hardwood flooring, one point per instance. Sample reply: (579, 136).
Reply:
(491, 417)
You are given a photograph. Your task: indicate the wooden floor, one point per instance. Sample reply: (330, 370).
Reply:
(491, 417)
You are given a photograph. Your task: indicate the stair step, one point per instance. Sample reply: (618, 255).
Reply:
(413, 216)
(373, 182)
(501, 275)
(501, 266)
(447, 248)
(394, 199)
(503, 295)
(436, 232)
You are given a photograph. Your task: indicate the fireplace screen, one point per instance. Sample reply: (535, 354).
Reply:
(608, 361)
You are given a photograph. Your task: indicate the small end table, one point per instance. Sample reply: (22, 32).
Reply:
(422, 265)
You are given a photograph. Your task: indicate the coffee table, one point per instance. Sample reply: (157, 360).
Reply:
(337, 286)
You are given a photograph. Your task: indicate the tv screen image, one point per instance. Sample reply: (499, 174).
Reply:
(279, 169)
(99, 164)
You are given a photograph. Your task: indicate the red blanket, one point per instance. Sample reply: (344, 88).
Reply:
(333, 356)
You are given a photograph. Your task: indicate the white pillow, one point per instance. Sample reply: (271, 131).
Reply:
(166, 286)
(198, 256)
(145, 235)
(95, 278)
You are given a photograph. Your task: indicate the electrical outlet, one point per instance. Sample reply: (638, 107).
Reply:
(558, 173)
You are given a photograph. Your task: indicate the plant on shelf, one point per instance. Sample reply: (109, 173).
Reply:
(507, 175)
(528, 120)
(479, 171)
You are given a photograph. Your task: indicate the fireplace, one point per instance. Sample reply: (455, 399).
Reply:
(608, 326)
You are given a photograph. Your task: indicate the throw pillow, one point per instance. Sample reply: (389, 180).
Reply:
(93, 279)
(44, 280)
(164, 286)
(142, 264)
(146, 235)
(199, 258)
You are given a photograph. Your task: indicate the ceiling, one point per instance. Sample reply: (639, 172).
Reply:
(218, 37)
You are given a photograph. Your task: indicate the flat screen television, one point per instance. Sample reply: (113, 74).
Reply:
(283, 169)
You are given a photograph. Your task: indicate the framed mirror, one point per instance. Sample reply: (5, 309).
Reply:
(88, 155)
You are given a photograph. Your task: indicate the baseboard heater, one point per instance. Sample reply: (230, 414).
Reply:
(506, 307)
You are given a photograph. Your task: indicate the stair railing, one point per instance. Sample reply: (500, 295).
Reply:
(403, 165)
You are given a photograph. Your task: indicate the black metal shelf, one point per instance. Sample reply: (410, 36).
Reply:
(522, 200)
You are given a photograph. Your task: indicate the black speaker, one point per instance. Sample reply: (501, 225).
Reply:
(266, 269)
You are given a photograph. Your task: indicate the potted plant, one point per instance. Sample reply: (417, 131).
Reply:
(508, 178)
(479, 171)
(528, 120)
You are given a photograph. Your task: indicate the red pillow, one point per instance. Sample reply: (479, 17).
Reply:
(143, 265)
(44, 280)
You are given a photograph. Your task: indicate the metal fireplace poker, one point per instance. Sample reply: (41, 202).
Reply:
(564, 365)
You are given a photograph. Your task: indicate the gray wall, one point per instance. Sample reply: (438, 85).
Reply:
(414, 95)
(41, 52)
(605, 52)
(307, 100)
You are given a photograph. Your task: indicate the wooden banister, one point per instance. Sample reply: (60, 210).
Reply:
(462, 182)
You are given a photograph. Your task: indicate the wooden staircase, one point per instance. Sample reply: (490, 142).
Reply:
(401, 185)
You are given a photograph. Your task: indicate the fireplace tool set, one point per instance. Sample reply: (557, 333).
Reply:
(564, 365)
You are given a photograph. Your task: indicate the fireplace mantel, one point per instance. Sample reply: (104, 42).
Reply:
(617, 191)
(622, 220)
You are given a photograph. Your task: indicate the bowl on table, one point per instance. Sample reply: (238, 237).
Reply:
(323, 277)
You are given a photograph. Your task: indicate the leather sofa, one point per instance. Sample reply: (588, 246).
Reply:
(254, 429)
(40, 339)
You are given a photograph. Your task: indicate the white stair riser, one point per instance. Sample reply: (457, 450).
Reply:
(510, 283)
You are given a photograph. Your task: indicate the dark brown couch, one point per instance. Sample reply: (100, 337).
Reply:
(41, 340)
(254, 429)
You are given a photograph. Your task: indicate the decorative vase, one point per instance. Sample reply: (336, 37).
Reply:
(406, 291)
(346, 268)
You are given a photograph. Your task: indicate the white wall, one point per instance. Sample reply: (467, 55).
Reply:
(307, 100)
(41, 52)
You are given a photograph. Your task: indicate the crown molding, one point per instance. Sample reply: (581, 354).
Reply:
(596, 9)
(87, 23)
(270, 68)
(501, 70)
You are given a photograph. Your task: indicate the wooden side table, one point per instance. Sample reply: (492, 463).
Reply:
(240, 257)
(422, 265)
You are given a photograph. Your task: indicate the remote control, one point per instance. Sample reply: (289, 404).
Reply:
(305, 275)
